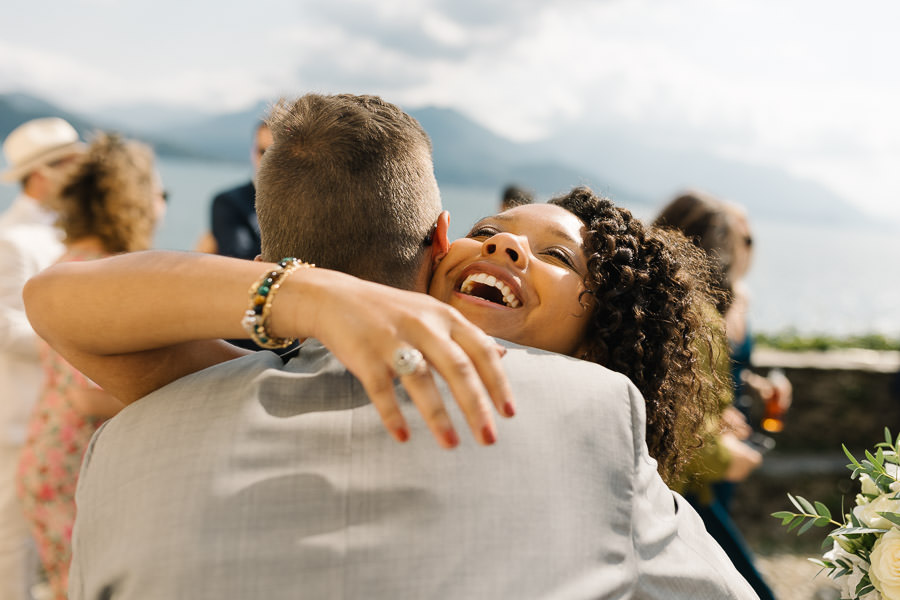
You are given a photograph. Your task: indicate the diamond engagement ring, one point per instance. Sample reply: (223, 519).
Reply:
(407, 361)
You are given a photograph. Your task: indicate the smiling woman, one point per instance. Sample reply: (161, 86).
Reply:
(582, 277)
(519, 272)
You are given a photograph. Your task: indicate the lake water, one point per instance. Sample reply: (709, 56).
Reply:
(814, 279)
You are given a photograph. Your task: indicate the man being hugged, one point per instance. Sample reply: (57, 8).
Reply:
(272, 477)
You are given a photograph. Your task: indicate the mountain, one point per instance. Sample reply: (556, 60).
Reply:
(150, 117)
(466, 153)
(622, 162)
(16, 108)
(225, 136)
(657, 172)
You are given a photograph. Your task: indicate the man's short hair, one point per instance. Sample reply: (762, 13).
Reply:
(348, 184)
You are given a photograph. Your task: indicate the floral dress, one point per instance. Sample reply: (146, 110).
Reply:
(51, 459)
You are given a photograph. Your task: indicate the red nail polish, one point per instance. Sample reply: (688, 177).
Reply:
(451, 439)
(487, 434)
(508, 409)
(402, 434)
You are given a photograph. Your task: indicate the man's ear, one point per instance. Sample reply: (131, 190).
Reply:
(258, 258)
(440, 241)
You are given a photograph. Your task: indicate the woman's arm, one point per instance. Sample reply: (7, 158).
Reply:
(138, 321)
(95, 403)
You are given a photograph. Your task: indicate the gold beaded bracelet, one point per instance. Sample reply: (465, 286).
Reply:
(256, 317)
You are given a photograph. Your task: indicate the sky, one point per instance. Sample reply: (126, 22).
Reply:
(810, 86)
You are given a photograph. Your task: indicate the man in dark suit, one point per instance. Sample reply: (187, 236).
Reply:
(234, 224)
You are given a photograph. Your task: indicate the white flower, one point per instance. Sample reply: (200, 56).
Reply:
(885, 569)
(848, 582)
(868, 513)
(868, 486)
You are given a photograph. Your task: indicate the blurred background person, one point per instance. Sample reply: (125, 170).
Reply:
(35, 153)
(722, 230)
(235, 228)
(514, 195)
(109, 203)
(773, 389)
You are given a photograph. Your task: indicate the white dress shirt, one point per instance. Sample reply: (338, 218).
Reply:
(29, 243)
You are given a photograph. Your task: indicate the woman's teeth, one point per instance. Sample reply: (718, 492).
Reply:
(469, 282)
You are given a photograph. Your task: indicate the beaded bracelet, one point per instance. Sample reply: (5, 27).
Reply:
(262, 293)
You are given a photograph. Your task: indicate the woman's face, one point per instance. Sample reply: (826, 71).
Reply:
(519, 276)
(742, 239)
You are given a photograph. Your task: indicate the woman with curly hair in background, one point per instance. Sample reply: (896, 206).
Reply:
(721, 230)
(109, 203)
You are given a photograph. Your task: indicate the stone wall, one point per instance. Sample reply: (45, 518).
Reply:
(839, 398)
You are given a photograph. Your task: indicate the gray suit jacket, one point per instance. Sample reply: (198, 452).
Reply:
(254, 479)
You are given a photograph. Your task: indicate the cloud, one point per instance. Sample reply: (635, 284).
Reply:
(43, 72)
(805, 85)
(413, 30)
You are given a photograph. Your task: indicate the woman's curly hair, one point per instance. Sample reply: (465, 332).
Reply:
(109, 193)
(651, 321)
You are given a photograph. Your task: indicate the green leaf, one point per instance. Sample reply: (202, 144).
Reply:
(852, 531)
(874, 460)
(806, 527)
(892, 517)
(887, 436)
(884, 481)
(822, 521)
(851, 457)
(864, 587)
(822, 510)
(783, 514)
(807, 505)
(796, 522)
(795, 503)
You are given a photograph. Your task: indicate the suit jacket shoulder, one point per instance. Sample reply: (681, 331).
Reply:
(256, 478)
(234, 222)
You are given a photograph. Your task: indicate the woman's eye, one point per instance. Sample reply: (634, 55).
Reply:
(483, 232)
(561, 256)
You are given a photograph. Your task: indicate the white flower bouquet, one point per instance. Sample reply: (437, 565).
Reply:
(864, 558)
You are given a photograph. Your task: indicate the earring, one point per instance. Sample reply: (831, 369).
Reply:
(429, 237)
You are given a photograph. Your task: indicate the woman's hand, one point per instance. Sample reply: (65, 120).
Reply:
(364, 323)
(744, 459)
(733, 421)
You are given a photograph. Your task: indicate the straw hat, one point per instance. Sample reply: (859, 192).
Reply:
(36, 143)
